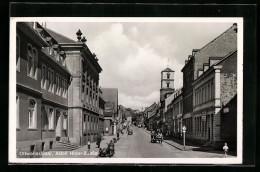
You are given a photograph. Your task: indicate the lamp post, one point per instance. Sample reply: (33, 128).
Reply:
(184, 130)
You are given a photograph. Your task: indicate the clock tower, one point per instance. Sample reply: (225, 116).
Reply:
(167, 83)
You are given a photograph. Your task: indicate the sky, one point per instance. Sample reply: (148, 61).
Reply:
(133, 54)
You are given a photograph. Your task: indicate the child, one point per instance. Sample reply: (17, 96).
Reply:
(88, 147)
(225, 148)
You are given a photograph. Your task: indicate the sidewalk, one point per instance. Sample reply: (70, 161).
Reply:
(83, 151)
(175, 144)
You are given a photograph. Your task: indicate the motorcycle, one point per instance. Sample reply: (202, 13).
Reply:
(108, 151)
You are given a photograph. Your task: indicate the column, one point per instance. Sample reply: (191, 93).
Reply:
(216, 117)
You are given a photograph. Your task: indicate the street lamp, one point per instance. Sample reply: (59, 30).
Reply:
(184, 130)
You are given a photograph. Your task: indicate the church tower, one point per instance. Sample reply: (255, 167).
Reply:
(167, 83)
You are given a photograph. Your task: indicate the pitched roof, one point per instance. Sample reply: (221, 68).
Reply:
(168, 70)
(59, 37)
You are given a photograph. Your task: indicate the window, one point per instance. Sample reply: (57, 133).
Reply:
(43, 81)
(32, 114)
(17, 112)
(32, 61)
(51, 80)
(84, 122)
(88, 123)
(168, 75)
(168, 84)
(66, 88)
(65, 121)
(43, 118)
(51, 119)
(212, 91)
(57, 84)
(209, 97)
(62, 86)
(17, 53)
(58, 113)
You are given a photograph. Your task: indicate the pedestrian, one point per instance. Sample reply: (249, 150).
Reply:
(117, 135)
(88, 147)
(225, 148)
(160, 136)
(152, 135)
(99, 138)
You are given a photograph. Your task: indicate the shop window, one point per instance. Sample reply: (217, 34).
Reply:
(32, 114)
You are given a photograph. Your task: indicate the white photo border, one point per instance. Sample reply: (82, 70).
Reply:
(169, 161)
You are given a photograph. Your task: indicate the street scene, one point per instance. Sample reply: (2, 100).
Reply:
(126, 89)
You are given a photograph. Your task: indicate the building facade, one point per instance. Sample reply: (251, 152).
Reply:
(167, 88)
(214, 88)
(57, 89)
(110, 96)
(101, 113)
(198, 94)
(42, 89)
(174, 113)
(83, 92)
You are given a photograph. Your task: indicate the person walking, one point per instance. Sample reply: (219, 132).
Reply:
(117, 135)
(88, 147)
(160, 136)
(225, 148)
(99, 138)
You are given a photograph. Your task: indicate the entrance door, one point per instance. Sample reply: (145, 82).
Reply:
(209, 134)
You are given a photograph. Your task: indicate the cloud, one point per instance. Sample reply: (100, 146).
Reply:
(132, 67)
(132, 55)
(137, 102)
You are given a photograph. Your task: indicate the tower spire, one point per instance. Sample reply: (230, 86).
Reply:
(168, 62)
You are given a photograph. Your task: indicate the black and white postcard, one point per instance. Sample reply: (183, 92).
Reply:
(126, 90)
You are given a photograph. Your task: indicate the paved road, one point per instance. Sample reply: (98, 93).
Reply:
(139, 145)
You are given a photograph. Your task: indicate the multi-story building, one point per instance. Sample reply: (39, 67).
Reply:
(101, 113)
(42, 89)
(83, 92)
(214, 88)
(110, 96)
(204, 127)
(146, 111)
(187, 94)
(168, 123)
(152, 118)
(174, 114)
(167, 88)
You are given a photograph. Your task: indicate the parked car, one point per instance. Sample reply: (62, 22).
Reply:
(130, 131)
